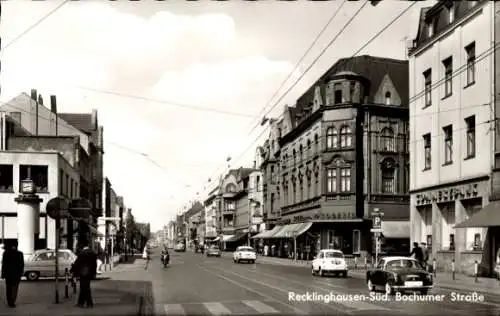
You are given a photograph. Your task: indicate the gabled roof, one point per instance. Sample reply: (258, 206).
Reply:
(81, 121)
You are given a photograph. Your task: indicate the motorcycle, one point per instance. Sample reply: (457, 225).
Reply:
(165, 258)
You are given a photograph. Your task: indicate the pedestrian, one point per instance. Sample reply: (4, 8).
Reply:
(100, 261)
(417, 252)
(85, 267)
(425, 253)
(266, 250)
(12, 271)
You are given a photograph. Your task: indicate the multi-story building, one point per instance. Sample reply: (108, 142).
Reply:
(29, 111)
(256, 196)
(211, 214)
(270, 154)
(453, 95)
(344, 153)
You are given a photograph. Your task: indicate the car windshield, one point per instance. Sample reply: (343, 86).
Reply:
(403, 263)
(245, 249)
(334, 255)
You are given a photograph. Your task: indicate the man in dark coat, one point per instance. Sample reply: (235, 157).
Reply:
(85, 267)
(12, 271)
(417, 251)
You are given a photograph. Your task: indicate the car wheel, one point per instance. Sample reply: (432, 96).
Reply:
(32, 275)
(371, 287)
(321, 272)
(389, 290)
(253, 261)
(344, 274)
(424, 291)
(312, 271)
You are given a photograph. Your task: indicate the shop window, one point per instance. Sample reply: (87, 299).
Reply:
(356, 241)
(471, 136)
(426, 224)
(6, 178)
(448, 76)
(39, 175)
(447, 230)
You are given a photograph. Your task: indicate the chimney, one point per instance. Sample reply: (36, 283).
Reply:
(53, 109)
(93, 120)
(33, 94)
(40, 99)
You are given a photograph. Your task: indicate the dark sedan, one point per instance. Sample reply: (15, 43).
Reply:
(213, 252)
(399, 274)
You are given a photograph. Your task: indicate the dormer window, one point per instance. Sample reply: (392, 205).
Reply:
(451, 14)
(337, 96)
(430, 29)
(388, 98)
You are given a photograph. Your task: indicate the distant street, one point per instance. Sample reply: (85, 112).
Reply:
(196, 285)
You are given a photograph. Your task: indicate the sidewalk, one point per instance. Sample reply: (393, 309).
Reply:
(125, 290)
(462, 282)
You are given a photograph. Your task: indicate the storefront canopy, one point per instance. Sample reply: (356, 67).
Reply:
(396, 229)
(236, 237)
(216, 238)
(268, 233)
(487, 217)
(292, 230)
(226, 237)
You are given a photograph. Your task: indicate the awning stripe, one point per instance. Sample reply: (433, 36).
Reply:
(268, 233)
(293, 230)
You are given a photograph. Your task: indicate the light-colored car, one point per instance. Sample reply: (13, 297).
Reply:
(329, 261)
(244, 253)
(43, 264)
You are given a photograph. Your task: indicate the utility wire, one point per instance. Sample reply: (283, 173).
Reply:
(35, 24)
(322, 31)
(354, 55)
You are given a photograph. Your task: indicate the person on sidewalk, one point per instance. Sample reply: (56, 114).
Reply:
(425, 253)
(85, 267)
(12, 271)
(417, 252)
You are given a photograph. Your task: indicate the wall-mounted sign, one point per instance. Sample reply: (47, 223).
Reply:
(467, 191)
(316, 217)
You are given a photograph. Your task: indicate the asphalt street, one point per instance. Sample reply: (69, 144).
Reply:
(196, 285)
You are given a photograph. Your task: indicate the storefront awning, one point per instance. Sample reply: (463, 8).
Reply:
(292, 230)
(268, 233)
(236, 237)
(217, 238)
(226, 237)
(487, 217)
(396, 229)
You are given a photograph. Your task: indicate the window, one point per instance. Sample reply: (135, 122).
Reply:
(448, 144)
(337, 97)
(301, 190)
(294, 188)
(294, 155)
(45, 256)
(471, 136)
(71, 189)
(272, 203)
(427, 151)
(331, 181)
(229, 205)
(474, 235)
(428, 87)
(451, 14)
(448, 232)
(230, 188)
(39, 175)
(425, 213)
(430, 28)
(345, 179)
(448, 76)
(470, 50)
(388, 98)
(6, 178)
(388, 139)
(345, 137)
(301, 152)
(388, 176)
(257, 184)
(332, 138)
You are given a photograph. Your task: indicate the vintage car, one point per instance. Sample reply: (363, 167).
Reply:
(43, 264)
(213, 251)
(180, 247)
(244, 253)
(399, 274)
(329, 261)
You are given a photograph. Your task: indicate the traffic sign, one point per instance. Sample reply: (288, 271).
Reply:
(377, 222)
(376, 230)
(57, 208)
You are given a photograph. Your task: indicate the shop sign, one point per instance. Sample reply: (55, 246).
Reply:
(315, 217)
(467, 191)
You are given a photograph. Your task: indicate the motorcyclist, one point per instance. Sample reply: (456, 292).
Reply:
(164, 254)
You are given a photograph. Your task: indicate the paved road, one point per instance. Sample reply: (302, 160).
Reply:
(196, 285)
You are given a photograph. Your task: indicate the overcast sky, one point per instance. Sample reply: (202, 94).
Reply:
(119, 57)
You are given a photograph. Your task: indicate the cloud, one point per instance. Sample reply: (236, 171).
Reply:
(191, 59)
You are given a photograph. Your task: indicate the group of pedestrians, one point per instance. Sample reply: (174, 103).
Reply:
(84, 268)
(420, 253)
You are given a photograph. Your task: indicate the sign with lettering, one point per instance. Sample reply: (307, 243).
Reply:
(377, 222)
(317, 217)
(466, 191)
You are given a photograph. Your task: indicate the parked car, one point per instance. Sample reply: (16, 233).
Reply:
(399, 274)
(329, 261)
(43, 264)
(244, 253)
(180, 247)
(213, 251)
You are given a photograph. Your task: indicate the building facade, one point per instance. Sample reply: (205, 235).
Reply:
(256, 196)
(453, 138)
(211, 214)
(344, 153)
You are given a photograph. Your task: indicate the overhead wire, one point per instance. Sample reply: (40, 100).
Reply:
(299, 62)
